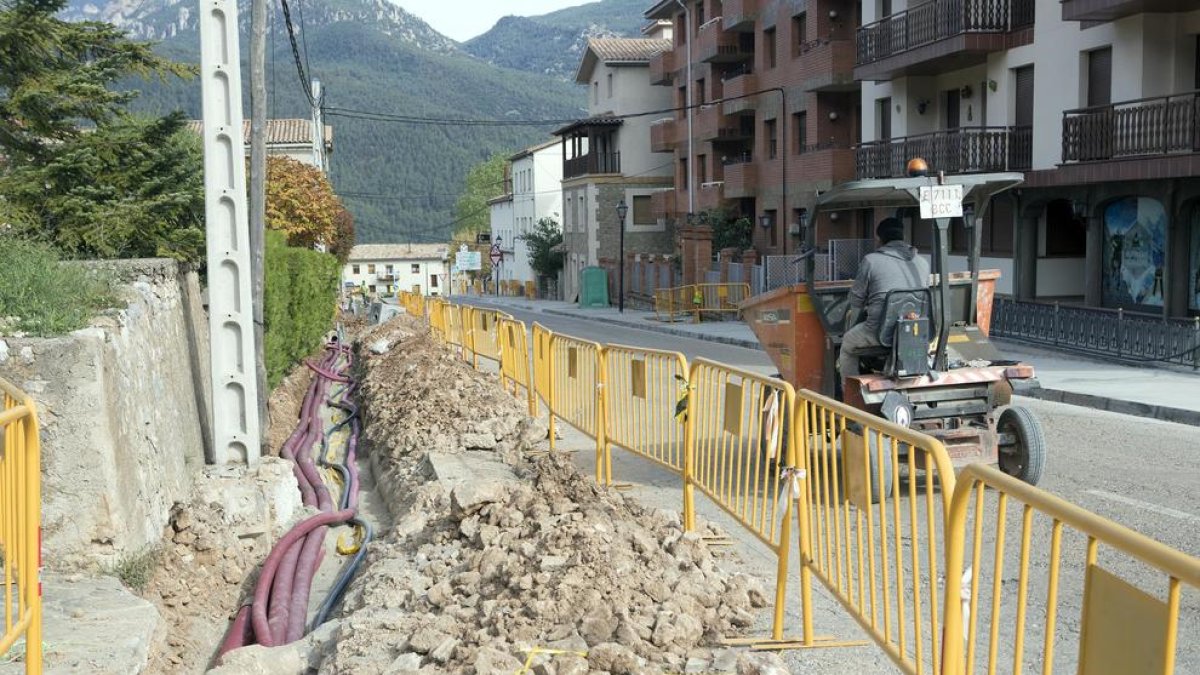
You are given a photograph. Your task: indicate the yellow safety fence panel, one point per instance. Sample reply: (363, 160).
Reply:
(697, 300)
(514, 360)
(577, 389)
(20, 525)
(643, 388)
(437, 317)
(484, 338)
(872, 537)
(739, 455)
(531, 290)
(541, 362)
(670, 301)
(1012, 548)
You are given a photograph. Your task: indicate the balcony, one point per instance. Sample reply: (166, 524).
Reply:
(710, 196)
(715, 45)
(940, 36)
(741, 179)
(592, 163)
(966, 150)
(1149, 127)
(663, 204)
(737, 86)
(1111, 10)
(662, 68)
(712, 124)
(740, 15)
(825, 163)
(664, 135)
(828, 65)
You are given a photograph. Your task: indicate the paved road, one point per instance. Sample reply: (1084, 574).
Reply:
(1140, 473)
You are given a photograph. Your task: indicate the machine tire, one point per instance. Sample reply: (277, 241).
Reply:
(1029, 461)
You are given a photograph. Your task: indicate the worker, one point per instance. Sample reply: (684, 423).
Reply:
(894, 266)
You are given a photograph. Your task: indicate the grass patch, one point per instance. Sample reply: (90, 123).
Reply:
(135, 569)
(41, 295)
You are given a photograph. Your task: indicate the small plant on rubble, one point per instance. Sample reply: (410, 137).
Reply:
(136, 569)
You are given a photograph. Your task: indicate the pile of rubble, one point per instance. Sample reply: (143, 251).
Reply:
(497, 552)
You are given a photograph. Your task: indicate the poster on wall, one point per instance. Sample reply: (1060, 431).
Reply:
(1194, 287)
(1135, 244)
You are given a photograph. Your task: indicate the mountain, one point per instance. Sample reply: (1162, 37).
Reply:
(552, 44)
(374, 57)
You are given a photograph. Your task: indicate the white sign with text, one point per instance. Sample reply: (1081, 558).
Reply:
(941, 201)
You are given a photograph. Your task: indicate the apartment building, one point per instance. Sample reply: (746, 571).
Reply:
(388, 268)
(606, 160)
(1096, 101)
(537, 174)
(774, 117)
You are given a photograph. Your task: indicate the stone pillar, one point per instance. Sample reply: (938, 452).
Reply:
(726, 258)
(1025, 250)
(697, 253)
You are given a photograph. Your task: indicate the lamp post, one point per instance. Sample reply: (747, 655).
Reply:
(622, 211)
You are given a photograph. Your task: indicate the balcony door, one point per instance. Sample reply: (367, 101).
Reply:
(953, 109)
(1099, 82)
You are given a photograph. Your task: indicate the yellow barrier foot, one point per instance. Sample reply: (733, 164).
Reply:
(717, 541)
(759, 644)
(621, 486)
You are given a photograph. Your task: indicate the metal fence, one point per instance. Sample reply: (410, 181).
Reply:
(20, 525)
(1099, 331)
(845, 255)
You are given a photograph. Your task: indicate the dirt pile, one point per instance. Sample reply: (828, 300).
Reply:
(528, 555)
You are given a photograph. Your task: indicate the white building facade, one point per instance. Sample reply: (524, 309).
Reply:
(607, 160)
(384, 269)
(536, 194)
(1096, 101)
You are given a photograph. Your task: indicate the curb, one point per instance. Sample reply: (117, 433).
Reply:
(677, 332)
(1144, 410)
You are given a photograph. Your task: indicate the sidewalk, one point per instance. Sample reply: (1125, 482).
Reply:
(1154, 393)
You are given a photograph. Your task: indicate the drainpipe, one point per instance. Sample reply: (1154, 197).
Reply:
(687, 20)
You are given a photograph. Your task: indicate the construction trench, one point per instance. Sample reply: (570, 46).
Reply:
(439, 535)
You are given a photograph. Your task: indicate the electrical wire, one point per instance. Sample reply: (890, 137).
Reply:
(305, 85)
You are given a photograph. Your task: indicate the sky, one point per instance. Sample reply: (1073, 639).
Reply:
(464, 19)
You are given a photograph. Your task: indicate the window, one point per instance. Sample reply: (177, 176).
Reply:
(772, 140)
(596, 91)
(433, 281)
(700, 91)
(1024, 96)
(390, 270)
(683, 174)
(885, 8)
(416, 269)
(1099, 77)
(953, 109)
(883, 118)
(610, 85)
(372, 288)
(355, 269)
(799, 33)
(769, 47)
(800, 125)
(642, 213)
(702, 169)
(371, 268)
(1066, 235)
(773, 229)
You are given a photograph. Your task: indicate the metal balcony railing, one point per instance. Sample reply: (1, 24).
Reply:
(965, 150)
(604, 162)
(1161, 125)
(937, 20)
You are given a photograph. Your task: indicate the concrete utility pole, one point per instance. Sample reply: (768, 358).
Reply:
(235, 420)
(258, 192)
(318, 122)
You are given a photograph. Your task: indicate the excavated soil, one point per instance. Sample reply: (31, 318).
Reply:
(476, 573)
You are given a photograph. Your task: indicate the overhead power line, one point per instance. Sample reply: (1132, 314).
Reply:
(305, 83)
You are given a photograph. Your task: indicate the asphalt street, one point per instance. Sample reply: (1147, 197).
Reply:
(1139, 473)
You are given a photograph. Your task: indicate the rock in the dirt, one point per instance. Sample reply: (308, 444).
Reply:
(491, 661)
(407, 662)
(381, 346)
(760, 663)
(614, 658)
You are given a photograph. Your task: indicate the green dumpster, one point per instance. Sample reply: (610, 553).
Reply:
(593, 287)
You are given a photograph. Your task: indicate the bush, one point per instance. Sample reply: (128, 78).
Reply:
(41, 295)
(299, 302)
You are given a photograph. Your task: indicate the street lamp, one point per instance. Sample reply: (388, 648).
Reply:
(622, 211)
(499, 240)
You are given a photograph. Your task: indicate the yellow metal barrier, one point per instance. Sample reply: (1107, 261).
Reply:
(740, 457)
(20, 524)
(1113, 627)
(482, 335)
(514, 360)
(697, 300)
(642, 389)
(531, 290)
(577, 389)
(872, 538)
(437, 317)
(541, 363)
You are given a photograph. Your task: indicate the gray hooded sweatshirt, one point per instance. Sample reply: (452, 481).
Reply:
(893, 266)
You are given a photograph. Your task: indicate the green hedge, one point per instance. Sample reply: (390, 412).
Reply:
(299, 304)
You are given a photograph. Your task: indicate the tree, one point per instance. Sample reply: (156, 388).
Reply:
(485, 181)
(729, 231)
(133, 187)
(301, 203)
(542, 242)
(343, 238)
(79, 171)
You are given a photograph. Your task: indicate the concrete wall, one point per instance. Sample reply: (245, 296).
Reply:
(123, 413)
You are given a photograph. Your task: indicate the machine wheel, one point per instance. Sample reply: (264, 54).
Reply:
(1025, 459)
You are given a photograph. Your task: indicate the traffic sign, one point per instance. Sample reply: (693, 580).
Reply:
(468, 260)
(496, 256)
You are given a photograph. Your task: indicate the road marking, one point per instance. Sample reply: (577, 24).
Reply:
(1163, 510)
